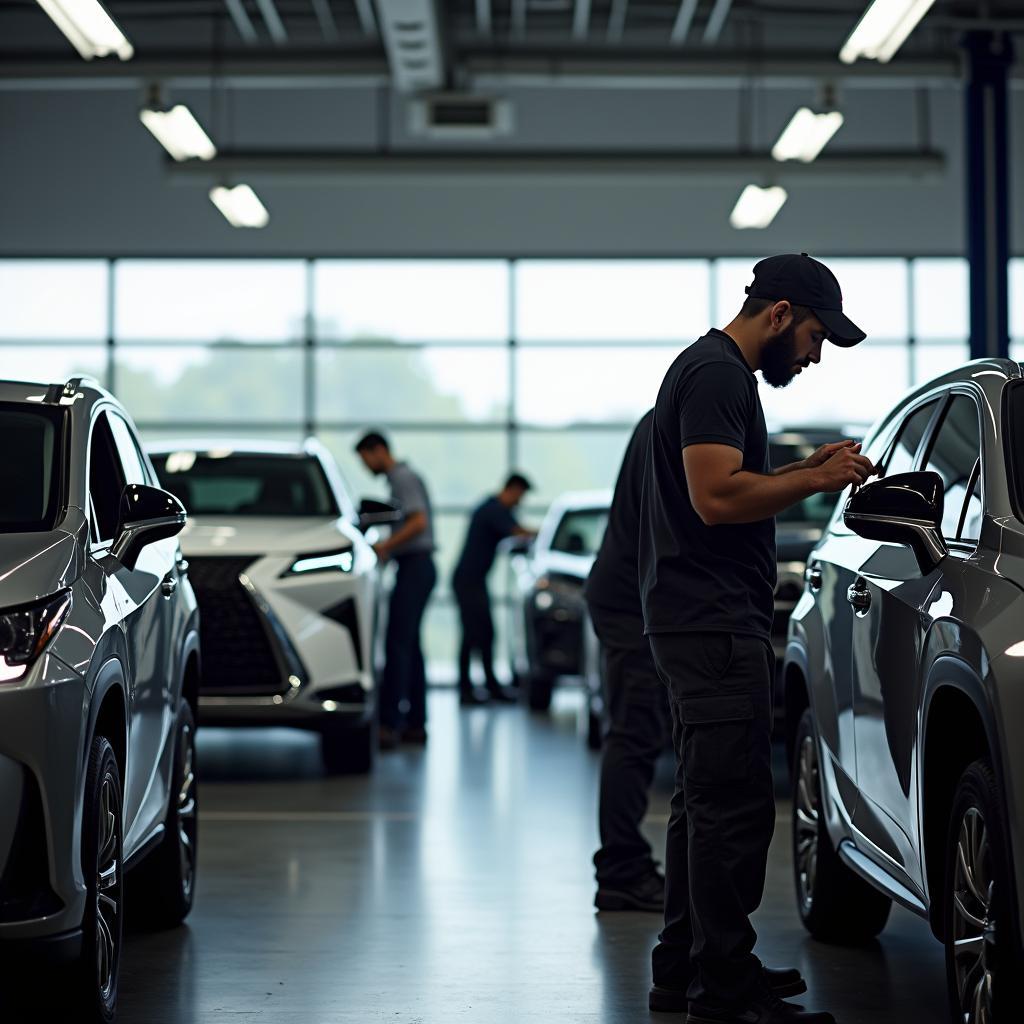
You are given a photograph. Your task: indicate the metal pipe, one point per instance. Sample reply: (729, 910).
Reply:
(273, 21)
(716, 22)
(681, 28)
(243, 23)
(328, 26)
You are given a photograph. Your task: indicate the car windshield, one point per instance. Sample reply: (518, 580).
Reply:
(815, 510)
(242, 484)
(580, 531)
(30, 436)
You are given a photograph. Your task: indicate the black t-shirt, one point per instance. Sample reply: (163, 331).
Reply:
(489, 525)
(695, 577)
(613, 587)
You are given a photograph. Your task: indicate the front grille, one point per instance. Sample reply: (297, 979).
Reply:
(237, 656)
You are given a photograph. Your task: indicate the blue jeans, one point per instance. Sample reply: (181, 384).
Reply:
(405, 677)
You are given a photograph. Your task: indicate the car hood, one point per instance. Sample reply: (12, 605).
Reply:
(35, 565)
(271, 535)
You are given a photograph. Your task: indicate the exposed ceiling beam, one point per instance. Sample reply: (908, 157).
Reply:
(684, 19)
(483, 17)
(243, 23)
(581, 19)
(716, 22)
(328, 26)
(617, 20)
(678, 169)
(368, 23)
(412, 39)
(358, 68)
(275, 26)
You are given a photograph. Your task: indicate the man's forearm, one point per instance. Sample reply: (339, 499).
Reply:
(750, 497)
(413, 528)
(782, 470)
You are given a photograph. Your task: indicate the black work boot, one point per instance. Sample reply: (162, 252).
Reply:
(646, 893)
(500, 694)
(782, 982)
(761, 1008)
(470, 697)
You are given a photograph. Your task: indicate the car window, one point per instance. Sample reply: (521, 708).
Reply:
(106, 478)
(580, 531)
(955, 450)
(31, 438)
(131, 460)
(900, 458)
(971, 530)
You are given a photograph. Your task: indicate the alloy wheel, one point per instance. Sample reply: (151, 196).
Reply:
(108, 887)
(806, 823)
(973, 928)
(187, 812)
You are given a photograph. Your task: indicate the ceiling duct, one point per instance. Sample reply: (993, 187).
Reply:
(460, 117)
(412, 39)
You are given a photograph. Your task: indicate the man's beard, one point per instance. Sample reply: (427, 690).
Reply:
(778, 358)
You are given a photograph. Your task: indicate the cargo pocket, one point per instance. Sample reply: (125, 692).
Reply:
(716, 738)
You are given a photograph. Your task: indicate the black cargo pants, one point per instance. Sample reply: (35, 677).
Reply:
(723, 811)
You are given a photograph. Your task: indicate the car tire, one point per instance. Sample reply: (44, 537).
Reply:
(166, 879)
(835, 904)
(91, 989)
(976, 903)
(539, 691)
(348, 750)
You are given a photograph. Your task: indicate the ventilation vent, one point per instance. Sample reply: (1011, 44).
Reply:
(451, 116)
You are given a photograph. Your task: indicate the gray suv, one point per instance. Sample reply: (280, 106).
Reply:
(904, 677)
(99, 663)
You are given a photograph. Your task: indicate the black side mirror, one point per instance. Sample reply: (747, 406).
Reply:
(146, 515)
(377, 513)
(517, 545)
(902, 509)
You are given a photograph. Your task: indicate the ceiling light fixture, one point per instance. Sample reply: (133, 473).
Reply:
(757, 207)
(806, 135)
(179, 132)
(883, 28)
(90, 30)
(240, 205)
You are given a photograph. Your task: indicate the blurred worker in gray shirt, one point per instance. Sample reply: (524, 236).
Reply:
(411, 545)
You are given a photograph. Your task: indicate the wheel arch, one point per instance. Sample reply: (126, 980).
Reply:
(958, 727)
(796, 696)
(108, 713)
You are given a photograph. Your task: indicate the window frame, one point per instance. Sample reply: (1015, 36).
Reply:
(101, 545)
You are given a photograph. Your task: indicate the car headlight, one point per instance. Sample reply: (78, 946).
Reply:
(25, 632)
(342, 560)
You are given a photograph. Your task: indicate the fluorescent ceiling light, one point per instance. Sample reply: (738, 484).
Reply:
(757, 207)
(240, 206)
(806, 135)
(89, 28)
(179, 133)
(883, 28)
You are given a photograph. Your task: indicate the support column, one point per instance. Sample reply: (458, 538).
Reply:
(987, 166)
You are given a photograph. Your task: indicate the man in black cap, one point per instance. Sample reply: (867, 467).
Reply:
(707, 577)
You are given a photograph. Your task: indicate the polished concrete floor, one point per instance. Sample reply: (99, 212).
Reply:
(452, 885)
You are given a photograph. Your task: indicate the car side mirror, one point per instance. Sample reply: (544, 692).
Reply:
(373, 512)
(146, 515)
(902, 509)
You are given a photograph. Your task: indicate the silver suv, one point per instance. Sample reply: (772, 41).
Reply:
(905, 690)
(99, 663)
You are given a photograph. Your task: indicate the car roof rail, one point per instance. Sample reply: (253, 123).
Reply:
(56, 393)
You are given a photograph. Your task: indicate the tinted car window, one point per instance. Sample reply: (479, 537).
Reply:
(815, 510)
(954, 452)
(901, 457)
(971, 530)
(106, 479)
(580, 532)
(246, 485)
(31, 442)
(131, 460)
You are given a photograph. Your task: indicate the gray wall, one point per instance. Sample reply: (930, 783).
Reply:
(79, 175)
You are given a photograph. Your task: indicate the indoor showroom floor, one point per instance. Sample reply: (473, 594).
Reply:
(454, 884)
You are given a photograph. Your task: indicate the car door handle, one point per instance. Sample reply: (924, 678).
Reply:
(168, 585)
(813, 577)
(859, 596)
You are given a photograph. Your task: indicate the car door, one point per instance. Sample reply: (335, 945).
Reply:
(148, 630)
(893, 606)
(832, 572)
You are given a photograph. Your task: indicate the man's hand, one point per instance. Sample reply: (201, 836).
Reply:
(843, 467)
(825, 452)
(381, 548)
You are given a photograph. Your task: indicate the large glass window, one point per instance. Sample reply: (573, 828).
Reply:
(472, 367)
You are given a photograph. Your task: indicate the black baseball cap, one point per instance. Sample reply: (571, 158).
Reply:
(804, 281)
